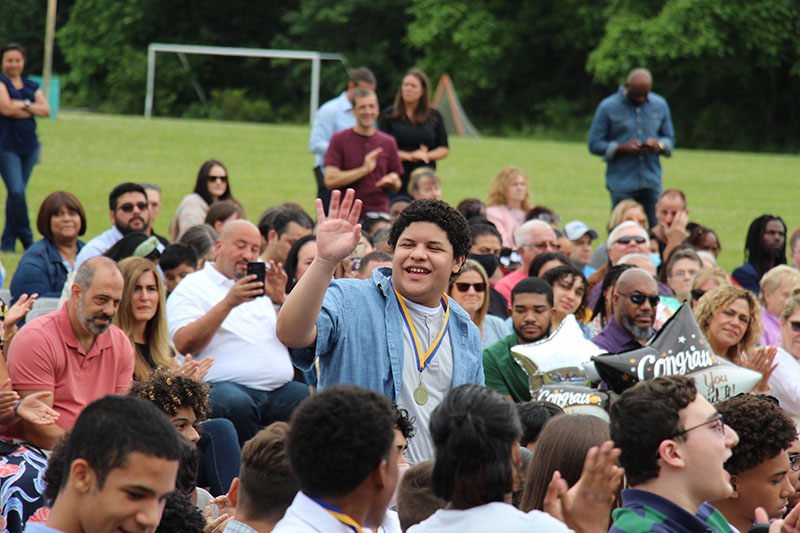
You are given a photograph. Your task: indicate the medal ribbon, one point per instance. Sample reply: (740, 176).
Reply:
(423, 360)
(340, 516)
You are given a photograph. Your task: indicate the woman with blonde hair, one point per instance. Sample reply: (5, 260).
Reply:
(776, 286)
(705, 280)
(509, 201)
(730, 318)
(471, 291)
(627, 209)
(786, 383)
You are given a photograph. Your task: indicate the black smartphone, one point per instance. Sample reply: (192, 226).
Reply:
(260, 270)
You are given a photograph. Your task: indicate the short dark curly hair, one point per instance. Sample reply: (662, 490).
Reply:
(404, 422)
(170, 392)
(764, 430)
(440, 213)
(337, 437)
(180, 515)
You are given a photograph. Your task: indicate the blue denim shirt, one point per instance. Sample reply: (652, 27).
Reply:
(616, 122)
(41, 270)
(360, 338)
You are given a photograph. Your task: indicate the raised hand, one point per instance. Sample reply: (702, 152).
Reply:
(16, 312)
(371, 160)
(276, 279)
(762, 361)
(338, 233)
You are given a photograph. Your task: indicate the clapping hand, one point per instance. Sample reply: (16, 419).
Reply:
(275, 282)
(17, 312)
(761, 360)
(195, 369)
(338, 233)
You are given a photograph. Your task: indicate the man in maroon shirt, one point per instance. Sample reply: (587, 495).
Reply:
(363, 158)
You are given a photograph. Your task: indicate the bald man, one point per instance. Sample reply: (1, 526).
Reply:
(222, 312)
(634, 305)
(630, 130)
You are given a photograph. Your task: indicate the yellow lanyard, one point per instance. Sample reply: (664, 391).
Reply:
(423, 360)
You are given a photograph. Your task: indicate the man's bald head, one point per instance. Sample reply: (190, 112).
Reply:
(238, 243)
(235, 227)
(635, 302)
(638, 85)
(635, 278)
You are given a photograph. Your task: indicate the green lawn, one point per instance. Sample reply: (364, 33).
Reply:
(270, 164)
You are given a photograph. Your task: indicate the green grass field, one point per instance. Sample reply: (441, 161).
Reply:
(270, 164)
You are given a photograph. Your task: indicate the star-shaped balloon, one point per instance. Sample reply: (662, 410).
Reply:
(559, 358)
(679, 348)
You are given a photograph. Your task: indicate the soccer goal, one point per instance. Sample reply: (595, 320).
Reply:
(316, 59)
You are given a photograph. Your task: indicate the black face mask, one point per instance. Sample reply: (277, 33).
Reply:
(489, 262)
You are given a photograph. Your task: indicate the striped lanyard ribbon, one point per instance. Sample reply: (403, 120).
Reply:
(423, 360)
(340, 516)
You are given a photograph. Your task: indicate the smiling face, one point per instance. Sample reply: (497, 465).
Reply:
(13, 63)
(365, 109)
(145, 297)
(132, 497)
(471, 299)
(239, 243)
(423, 263)
(65, 224)
(728, 324)
(567, 296)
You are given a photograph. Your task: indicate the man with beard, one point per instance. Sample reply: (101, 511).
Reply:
(531, 312)
(74, 352)
(634, 306)
(764, 248)
(222, 312)
(129, 211)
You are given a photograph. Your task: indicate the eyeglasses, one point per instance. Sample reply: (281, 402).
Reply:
(697, 294)
(795, 326)
(794, 459)
(464, 287)
(212, 179)
(626, 240)
(128, 208)
(638, 298)
(717, 425)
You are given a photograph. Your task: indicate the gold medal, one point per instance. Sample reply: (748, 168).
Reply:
(420, 395)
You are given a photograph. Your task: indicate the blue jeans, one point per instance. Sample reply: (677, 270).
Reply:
(219, 455)
(251, 409)
(16, 171)
(647, 197)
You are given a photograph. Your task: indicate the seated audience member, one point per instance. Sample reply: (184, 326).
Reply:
(177, 261)
(341, 450)
(794, 473)
(776, 286)
(338, 318)
(266, 485)
(634, 310)
(759, 467)
(211, 186)
(667, 304)
(547, 261)
(531, 312)
(404, 431)
(349, 267)
(794, 248)
(222, 312)
(415, 498)
(561, 447)
(424, 183)
(509, 200)
(581, 237)
(44, 266)
(705, 280)
(471, 207)
(75, 352)
(476, 433)
(682, 266)
(627, 238)
(626, 210)
(703, 239)
(545, 214)
(180, 515)
(602, 308)
(397, 204)
(707, 258)
(185, 401)
(485, 249)
(534, 415)
(764, 248)
(674, 445)
(265, 222)
(129, 211)
(371, 261)
(286, 228)
(112, 472)
(785, 381)
(222, 212)
(672, 214)
(153, 193)
(380, 241)
(375, 222)
(300, 256)
(135, 244)
(202, 239)
(570, 294)
(471, 291)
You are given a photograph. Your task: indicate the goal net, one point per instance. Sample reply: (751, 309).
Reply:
(446, 102)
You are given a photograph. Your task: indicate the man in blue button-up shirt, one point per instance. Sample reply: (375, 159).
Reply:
(631, 128)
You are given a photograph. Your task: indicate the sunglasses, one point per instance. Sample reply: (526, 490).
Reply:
(626, 240)
(697, 294)
(464, 287)
(795, 326)
(212, 179)
(638, 298)
(128, 208)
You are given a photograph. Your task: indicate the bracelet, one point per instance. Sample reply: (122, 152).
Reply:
(16, 406)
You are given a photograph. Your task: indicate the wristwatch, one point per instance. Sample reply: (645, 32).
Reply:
(27, 104)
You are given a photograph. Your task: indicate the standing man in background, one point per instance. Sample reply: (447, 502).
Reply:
(335, 115)
(630, 130)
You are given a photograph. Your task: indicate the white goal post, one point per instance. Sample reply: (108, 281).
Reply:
(316, 59)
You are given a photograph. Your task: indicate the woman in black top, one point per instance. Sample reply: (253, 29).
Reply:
(415, 125)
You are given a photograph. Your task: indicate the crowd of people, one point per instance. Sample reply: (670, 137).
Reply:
(353, 369)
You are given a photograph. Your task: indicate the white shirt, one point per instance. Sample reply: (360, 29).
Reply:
(98, 245)
(495, 516)
(307, 516)
(785, 384)
(245, 348)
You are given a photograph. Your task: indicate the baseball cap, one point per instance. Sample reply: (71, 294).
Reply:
(576, 229)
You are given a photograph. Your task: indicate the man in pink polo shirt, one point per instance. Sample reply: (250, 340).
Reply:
(74, 352)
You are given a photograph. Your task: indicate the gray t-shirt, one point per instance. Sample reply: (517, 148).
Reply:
(437, 378)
